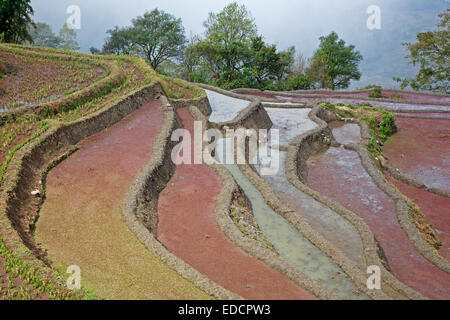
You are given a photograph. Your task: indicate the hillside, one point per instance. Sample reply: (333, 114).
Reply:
(44, 90)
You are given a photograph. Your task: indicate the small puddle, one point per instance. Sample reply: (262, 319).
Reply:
(345, 133)
(292, 247)
(224, 108)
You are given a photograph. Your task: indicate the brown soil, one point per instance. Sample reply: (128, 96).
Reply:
(242, 216)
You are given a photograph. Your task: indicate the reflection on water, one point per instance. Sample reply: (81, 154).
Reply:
(293, 247)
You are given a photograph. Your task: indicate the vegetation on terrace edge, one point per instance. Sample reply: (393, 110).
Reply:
(381, 124)
(125, 75)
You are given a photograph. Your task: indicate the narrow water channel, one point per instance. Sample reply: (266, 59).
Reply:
(292, 247)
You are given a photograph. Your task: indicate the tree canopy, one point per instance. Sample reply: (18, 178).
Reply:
(334, 64)
(119, 41)
(43, 36)
(156, 36)
(232, 54)
(15, 16)
(68, 38)
(228, 38)
(431, 53)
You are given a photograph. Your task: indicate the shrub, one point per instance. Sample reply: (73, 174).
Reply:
(370, 86)
(387, 126)
(299, 82)
(376, 93)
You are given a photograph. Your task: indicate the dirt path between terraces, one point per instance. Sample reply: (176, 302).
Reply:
(81, 223)
(188, 228)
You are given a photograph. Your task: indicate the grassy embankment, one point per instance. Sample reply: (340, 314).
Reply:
(381, 124)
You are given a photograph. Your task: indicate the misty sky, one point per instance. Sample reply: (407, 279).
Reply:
(283, 22)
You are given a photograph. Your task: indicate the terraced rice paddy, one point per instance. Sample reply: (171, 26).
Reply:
(61, 208)
(188, 228)
(338, 174)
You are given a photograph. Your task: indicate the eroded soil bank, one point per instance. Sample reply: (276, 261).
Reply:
(421, 149)
(188, 228)
(12, 287)
(338, 174)
(81, 223)
(435, 208)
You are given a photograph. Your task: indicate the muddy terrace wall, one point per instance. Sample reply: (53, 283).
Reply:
(30, 164)
(314, 141)
(300, 150)
(140, 206)
(252, 117)
(202, 104)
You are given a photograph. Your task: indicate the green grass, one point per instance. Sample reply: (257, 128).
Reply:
(33, 277)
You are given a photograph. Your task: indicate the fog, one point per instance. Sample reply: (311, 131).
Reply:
(285, 23)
